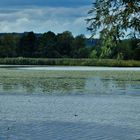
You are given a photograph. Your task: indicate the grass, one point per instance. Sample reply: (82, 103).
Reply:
(70, 62)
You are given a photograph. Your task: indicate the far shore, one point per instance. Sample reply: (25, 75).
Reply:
(5, 62)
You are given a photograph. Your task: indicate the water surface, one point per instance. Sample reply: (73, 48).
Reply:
(41, 103)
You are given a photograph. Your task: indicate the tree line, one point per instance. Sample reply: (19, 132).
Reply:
(47, 45)
(62, 45)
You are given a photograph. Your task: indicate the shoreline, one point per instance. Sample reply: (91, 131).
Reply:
(67, 62)
(80, 68)
(70, 68)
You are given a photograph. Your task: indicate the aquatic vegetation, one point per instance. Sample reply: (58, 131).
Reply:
(13, 80)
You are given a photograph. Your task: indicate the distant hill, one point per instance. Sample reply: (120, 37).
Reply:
(91, 42)
(20, 34)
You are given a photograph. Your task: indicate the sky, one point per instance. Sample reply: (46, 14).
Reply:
(44, 15)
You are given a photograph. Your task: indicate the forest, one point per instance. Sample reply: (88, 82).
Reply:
(63, 45)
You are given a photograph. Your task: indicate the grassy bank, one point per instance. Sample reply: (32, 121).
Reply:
(70, 62)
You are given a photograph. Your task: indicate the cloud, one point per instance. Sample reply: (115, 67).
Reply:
(42, 19)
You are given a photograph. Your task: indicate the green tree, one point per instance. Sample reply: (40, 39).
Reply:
(93, 54)
(64, 43)
(113, 20)
(79, 49)
(47, 45)
(28, 45)
(8, 45)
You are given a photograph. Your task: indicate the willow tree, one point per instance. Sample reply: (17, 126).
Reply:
(113, 20)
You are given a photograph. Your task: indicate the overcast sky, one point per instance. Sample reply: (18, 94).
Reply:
(44, 15)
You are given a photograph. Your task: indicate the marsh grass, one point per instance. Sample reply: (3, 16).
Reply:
(70, 62)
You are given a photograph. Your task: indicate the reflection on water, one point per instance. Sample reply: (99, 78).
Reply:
(97, 85)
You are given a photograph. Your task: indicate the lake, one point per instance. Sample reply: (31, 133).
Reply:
(69, 103)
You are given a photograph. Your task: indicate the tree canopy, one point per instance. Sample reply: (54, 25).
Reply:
(46, 45)
(62, 45)
(114, 20)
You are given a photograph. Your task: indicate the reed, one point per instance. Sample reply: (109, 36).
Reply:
(70, 62)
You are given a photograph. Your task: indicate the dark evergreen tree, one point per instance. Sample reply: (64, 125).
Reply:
(78, 47)
(47, 45)
(64, 44)
(28, 45)
(8, 45)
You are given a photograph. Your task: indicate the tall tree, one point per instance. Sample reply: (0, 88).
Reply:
(8, 45)
(47, 45)
(28, 44)
(79, 49)
(113, 20)
(64, 43)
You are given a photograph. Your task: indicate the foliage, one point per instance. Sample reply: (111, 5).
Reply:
(28, 44)
(47, 45)
(113, 20)
(70, 62)
(8, 44)
(77, 44)
(64, 45)
(93, 54)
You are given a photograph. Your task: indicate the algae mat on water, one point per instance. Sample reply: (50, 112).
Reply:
(27, 81)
